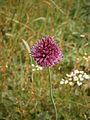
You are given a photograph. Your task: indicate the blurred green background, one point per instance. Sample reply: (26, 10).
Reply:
(27, 97)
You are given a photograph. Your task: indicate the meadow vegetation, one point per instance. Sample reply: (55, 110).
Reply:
(24, 86)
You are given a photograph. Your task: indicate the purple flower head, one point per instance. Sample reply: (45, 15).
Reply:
(46, 52)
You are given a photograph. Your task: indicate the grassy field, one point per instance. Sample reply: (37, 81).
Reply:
(24, 87)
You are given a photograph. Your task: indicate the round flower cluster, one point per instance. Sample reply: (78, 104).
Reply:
(37, 67)
(46, 52)
(75, 78)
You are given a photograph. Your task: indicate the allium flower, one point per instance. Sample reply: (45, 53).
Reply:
(46, 52)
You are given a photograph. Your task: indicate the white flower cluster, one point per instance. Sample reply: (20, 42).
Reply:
(77, 77)
(36, 67)
(86, 57)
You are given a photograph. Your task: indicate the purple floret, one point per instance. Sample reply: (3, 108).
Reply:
(46, 52)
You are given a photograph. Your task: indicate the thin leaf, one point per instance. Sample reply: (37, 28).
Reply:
(27, 46)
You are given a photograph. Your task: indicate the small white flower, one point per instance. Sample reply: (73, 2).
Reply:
(87, 77)
(75, 78)
(84, 57)
(81, 79)
(40, 68)
(6, 66)
(33, 70)
(68, 75)
(61, 82)
(37, 66)
(66, 81)
(82, 35)
(74, 75)
(71, 73)
(70, 79)
(88, 57)
(62, 79)
(80, 75)
(81, 72)
(85, 53)
(76, 71)
(71, 83)
(84, 74)
(79, 83)
(33, 65)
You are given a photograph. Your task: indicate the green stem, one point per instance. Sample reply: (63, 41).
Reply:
(51, 94)
(31, 68)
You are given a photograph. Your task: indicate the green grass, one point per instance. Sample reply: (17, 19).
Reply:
(27, 97)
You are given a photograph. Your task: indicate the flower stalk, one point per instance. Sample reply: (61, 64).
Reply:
(51, 94)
